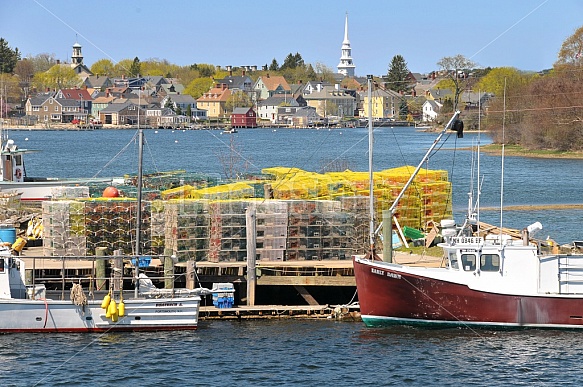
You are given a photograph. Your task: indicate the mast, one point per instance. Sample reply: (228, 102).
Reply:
(370, 173)
(139, 205)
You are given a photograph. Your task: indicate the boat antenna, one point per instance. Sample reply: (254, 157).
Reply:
(502, 160)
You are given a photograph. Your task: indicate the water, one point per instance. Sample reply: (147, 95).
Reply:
(324, 352)
(284, 352)
(526, 180)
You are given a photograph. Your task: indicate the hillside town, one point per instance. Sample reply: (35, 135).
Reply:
(247, 97)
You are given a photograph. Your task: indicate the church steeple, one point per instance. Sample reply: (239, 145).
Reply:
(346, 66)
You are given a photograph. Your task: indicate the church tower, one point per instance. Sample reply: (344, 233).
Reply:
(77, 57)
(346, 66)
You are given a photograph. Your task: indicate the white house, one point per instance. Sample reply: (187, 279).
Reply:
(431, 110)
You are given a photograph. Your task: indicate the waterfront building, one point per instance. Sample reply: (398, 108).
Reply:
(214, 101)
(269, 85)
(385, 104)
(346, 65)
(243, 117)
(332, 101)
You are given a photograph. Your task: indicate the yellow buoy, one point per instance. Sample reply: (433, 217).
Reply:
(105, 302)
(112, 308)
(121, 309)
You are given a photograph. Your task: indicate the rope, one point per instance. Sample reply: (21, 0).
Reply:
(78, 296)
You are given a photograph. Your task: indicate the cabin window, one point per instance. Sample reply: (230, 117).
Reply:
(469, 262)
(1, 265)
(453, 262)
(490, 262)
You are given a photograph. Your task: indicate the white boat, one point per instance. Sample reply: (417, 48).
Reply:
(487, 280)
(14, 178)
(25, 308)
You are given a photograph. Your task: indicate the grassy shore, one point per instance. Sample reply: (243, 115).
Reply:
(516, 150)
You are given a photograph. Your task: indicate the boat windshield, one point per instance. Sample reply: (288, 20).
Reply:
(453, 262)
(490, 262)
(469, 262)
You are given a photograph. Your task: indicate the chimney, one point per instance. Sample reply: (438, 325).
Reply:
(243, 72)
(267, 75)
(58, 61)
(414, 93)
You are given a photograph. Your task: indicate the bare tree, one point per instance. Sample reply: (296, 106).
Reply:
(457, 69)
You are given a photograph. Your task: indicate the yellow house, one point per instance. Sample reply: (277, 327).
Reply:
(215, 102)
(385, 104)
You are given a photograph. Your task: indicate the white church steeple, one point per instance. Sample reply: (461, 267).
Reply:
(346, 66)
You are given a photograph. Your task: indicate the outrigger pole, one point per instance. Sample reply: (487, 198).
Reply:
(453, 123)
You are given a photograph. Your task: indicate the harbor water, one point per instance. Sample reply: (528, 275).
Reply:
(306, 352)
(300, 353)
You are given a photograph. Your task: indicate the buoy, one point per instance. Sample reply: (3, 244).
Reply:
(121, 308)
(110, 192)
(111, 309)
(105, 302)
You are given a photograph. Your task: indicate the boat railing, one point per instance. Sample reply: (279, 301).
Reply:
(97, 273)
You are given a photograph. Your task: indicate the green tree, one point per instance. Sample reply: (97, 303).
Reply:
(397, 75)
(57, 77)
(205, 70)
(500, 78)
(122, 68)
(238, 99)
(135, 69)
(170, 104)
(197, 87)
(8, 57)
(457, 69)
(103, 67)
(189, 111)
(292, 61)
(178, 110)
(274, 66)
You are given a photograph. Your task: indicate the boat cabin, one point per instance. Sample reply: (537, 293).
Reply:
(512, 266)
(12, 163)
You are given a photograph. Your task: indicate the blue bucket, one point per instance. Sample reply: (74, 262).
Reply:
(8, 235)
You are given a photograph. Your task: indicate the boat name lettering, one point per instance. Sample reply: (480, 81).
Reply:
(382, 272)
(167, 311)
(467, 240)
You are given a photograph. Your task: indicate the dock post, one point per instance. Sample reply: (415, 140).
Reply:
(250, 222)
(117, 270)
(190, 277)
(168, 269)
(100, 282)
(387, 236)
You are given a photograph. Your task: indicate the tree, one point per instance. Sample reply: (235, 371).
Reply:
(397, 75)
(500, 78)
(103, 67)
(57, 77)
(197, 87)
(170, 104)
(457, 69)
(8, 57)
(135, 69)
(205, 70)
(571, 51)
(238, 99)
(42, 62)
(25, 72)
(292, 61)
(189, 111)
(274, 66)
(122, 68)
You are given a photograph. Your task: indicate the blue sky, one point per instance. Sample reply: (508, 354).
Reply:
(518, 33)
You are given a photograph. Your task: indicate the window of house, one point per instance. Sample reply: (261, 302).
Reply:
(469, 262)
(46, 108)
(490, 262)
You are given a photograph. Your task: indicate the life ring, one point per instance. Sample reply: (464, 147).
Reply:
(18, 173)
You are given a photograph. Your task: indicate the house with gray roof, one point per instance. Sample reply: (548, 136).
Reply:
(125, 113)
(268, 108)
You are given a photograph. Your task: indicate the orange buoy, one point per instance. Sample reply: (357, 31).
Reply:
(110, 192)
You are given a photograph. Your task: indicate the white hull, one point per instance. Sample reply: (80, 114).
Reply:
(62, 316)
(44, 189)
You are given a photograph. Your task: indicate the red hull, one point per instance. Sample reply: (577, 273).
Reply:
(389, 296)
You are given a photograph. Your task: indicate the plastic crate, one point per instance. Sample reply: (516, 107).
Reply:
(142, 261)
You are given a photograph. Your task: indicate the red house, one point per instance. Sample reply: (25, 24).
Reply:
(244, 117)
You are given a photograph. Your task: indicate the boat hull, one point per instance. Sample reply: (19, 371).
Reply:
(391, 296)
(63, 316)
(43, 189)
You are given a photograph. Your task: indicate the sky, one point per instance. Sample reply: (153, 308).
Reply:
(525, 34)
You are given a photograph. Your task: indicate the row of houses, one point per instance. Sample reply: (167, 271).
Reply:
(159, 101)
